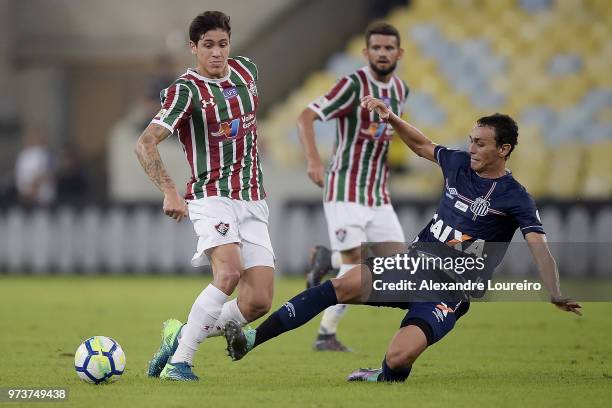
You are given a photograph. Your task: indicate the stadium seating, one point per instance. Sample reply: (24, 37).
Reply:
(547, 63)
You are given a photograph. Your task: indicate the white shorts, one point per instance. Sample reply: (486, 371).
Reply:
(221, 220)
(351, 224)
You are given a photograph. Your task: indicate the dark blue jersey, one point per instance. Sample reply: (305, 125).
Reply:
(475, 210)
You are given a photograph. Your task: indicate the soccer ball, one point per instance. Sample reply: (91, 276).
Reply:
(99, 359)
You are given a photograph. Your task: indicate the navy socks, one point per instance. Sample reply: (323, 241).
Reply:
(297, 311)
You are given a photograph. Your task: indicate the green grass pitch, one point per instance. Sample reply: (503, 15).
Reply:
(500, 354)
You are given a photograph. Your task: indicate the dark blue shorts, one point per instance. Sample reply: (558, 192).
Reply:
(436, 319)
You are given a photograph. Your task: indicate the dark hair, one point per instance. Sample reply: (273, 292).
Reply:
(380, 27)
(506, 129)
(209, 20)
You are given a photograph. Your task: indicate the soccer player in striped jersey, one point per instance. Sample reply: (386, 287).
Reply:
(356, 196)
(481, 208)
(212, 108)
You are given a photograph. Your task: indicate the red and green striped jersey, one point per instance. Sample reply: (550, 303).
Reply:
(216, 123)
(358, 170)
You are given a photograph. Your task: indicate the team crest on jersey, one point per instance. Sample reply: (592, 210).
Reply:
(386, 100)
(230, 93)
(222, 228)
(341, 234)
(252, 88)
(480, 207)
(208, 102)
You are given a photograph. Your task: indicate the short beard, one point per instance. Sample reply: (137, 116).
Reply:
(383, 72)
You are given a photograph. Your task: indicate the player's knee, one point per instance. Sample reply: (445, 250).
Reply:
(348, 289)
(227, 279)
(256, 308)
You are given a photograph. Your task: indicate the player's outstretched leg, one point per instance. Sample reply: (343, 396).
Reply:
(320, 265)
(170, 331)
(291, 315)
(296, 312)
(425, 324)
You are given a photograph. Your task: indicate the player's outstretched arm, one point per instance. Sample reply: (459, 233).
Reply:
(413, 137)
(305, 125)
(548, 272)
(148, 156)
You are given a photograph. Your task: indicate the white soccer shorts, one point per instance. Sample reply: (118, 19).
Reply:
(221, 220)
(351, 224)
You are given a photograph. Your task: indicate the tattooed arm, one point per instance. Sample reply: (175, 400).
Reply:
(148, 156)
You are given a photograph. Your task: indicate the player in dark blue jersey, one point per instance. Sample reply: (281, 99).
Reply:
(482, 205)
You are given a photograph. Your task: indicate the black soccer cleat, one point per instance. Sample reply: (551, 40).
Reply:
(320, 265)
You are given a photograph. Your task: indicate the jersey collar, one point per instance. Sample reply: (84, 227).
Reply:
(383, 85)
(192, 71)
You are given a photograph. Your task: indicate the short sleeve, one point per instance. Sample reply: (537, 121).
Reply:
(337, 102)
(526, 215)
(450, 159)
(176, 107)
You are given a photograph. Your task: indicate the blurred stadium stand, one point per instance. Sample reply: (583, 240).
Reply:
(85, 72)
(547, 63)
(139, 239)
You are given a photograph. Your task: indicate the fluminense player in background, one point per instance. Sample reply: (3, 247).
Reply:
(356, 195)
(482, 204)
(212, 108)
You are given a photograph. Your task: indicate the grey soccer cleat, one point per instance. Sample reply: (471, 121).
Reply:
(320, 265)
(239, 342)
(329, 342)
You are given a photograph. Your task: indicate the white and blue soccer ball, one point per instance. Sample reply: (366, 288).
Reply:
(99, 359)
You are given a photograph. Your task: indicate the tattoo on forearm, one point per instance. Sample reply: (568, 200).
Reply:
(149, 157)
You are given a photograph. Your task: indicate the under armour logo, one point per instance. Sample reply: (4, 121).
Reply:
(207, 103)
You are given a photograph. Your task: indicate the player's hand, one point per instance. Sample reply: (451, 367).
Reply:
(567, 305)
(175, 206)
(316, 172)
(372, 104)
